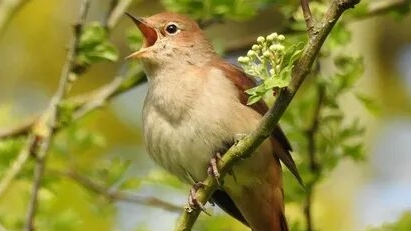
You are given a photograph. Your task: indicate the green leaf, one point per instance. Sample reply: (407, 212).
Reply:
(94, 46)
(272, 83)
(369, 103)
(355, 151)
(254, 99)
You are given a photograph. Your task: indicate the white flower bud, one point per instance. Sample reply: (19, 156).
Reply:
(243, 59)
(272, 37)
(272, 72)
(260, 39)
(276, 47)
(255, 47)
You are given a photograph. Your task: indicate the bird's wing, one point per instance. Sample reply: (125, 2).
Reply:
(279, 140)
(223, 200)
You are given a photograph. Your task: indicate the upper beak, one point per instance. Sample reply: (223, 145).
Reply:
(149, 33)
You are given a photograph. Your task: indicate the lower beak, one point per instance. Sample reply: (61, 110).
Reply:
(149, 33)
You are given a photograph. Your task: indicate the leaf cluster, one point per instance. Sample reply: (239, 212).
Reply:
(94, 46)
(322, 133)
(218, 9)
(270, 62)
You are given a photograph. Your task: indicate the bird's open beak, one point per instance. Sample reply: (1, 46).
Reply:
(149, 33)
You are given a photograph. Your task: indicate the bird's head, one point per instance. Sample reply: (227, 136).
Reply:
(171, 39)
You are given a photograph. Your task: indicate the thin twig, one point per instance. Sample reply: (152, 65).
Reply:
(112, 194)
(85, 103)
(135, 78)
(82, 104)
(314, 166)
(39, 146)
(250, 142)
(375, 8)
(117, 13)
(14, 169)
(308, 17)
(111, 7)
(88, 103)
(312, 130)
(88, 100)
(23, 129)
(17, 130)
(7, 10)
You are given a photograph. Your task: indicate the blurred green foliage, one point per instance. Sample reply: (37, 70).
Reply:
(94, 45)
(219, 9)
(402, 224)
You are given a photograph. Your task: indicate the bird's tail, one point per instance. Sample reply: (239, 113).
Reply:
(284, 225)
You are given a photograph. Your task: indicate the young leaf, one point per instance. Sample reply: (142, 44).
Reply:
(94, 46)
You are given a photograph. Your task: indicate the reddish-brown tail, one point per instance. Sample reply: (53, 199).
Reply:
(262, 203)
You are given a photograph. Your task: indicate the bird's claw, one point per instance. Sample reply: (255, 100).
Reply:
(193, 201)
(213, 169)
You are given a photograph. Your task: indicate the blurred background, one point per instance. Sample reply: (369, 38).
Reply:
(107, 145)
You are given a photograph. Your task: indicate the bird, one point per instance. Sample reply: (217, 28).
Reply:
(195, 109)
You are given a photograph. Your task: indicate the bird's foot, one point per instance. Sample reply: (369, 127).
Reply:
(193, 202)
(213, 169)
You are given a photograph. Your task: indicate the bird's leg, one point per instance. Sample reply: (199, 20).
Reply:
(193, 202)
(212, 169)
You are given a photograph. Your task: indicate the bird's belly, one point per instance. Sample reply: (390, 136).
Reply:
(183, 131)
(181, 148)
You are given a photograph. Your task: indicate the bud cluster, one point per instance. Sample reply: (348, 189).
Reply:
(270, 62)
(265, 58)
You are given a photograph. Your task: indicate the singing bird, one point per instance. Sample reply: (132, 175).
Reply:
(195, 108)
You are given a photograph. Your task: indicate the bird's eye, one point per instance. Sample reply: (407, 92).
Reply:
(171, 28)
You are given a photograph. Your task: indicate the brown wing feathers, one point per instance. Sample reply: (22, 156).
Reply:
(244, 82)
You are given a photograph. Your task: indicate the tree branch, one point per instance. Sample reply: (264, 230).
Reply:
(249, 143)
(117, 12)
(17, 130)
(309, 21)
(112, 194)
(82, 105)
(85, 103)
(39, 140)
(90, 100)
